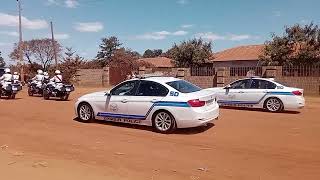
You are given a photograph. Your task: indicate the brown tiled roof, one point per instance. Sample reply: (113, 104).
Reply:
(157, 62)
(240, 53)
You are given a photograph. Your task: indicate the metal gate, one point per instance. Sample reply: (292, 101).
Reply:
(119, 73)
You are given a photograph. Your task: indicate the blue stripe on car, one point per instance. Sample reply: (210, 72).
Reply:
(141, 117)
(255, 102)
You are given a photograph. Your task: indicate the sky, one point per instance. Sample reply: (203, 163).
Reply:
(152, 24)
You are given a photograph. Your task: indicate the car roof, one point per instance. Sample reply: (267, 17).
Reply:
(159, 79)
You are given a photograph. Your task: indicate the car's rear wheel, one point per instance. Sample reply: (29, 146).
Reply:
(164, 122)
(85, 113)
(273, 104)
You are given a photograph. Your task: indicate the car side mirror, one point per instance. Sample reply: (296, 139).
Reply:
(227, 87)
(107, 94)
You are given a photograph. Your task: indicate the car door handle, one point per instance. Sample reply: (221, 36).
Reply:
(154, 100)
(241, 92)
(124, 101)
(265, 91)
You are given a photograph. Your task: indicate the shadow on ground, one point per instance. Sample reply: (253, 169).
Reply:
(185, 131)
(258, 110)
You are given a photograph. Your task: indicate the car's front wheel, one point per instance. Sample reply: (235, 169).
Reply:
(85, 112)
(164, 122)
(273, 105)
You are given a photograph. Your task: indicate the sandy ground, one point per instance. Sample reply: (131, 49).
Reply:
(41, 140)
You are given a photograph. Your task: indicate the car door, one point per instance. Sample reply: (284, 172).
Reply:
(116, 101)
(233, 93)
(148, 93)
(253, 94)
(260, 88)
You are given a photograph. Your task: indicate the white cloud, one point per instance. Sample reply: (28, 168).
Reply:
(159, 35)
(89, 26)
(151, 36)
(162, 33)
(230, 37)
(182, 2)
(276, 13)
(12, 21)
(61, 36)
(52, 2)
(71, 3)
(210, 36)
(186, 26)
(234, 37)
(9, 33)
(4, 44)
(179, 33)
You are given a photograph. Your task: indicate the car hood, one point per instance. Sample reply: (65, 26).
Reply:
(94, 94)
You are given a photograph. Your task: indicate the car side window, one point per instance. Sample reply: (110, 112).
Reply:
(241, 84)
(255, 84)
(262, 84)
(125, 89)
(267, 85)
(149, 88)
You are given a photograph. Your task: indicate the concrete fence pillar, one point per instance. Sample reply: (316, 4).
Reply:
(106, 76)
(272, 71)
(222, 74)
(142, 70)
(181, 73)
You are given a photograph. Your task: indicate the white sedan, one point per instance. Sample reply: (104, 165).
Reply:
(166, 103)
(260, 93)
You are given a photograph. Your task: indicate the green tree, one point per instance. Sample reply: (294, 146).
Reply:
(298, 45)
(190, 53)
(152, 53)
(107, 47)
(2, 62)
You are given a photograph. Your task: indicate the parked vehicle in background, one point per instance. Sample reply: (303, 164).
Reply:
(260, 93)
(166, 103)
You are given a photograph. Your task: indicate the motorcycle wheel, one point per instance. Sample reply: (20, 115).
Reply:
(65, 97)
(46, 95)
(30, 92)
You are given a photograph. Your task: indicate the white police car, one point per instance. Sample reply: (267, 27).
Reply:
(165, 103)
(260, 93)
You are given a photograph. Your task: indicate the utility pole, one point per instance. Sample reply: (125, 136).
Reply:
(54, 46)
(20, 43)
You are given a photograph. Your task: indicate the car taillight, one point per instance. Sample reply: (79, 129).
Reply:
(297, 93)
(196, 103)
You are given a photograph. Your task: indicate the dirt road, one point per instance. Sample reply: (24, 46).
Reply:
(40, 140)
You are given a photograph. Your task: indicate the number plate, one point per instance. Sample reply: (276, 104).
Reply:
(14, 88)
(68, 89)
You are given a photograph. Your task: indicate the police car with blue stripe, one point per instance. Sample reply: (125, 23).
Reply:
(166, 103)
(260, 93)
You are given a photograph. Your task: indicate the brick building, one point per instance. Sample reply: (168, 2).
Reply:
(238, 56)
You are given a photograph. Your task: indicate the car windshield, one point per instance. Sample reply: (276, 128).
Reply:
(184, 86)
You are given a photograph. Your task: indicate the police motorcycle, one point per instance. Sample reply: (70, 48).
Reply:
(35, 88)
(57, 90)
(10, 89)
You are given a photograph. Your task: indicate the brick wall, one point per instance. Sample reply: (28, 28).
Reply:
(201, 81)
(92, 77)
(311, 85)
(100, 77)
